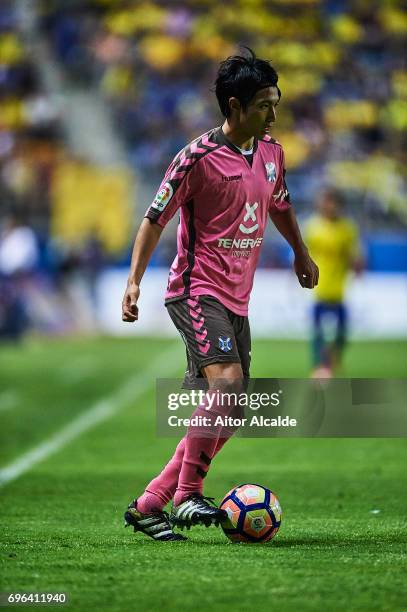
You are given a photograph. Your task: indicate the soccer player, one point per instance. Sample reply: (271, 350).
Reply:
(333, 241)
(225, 184)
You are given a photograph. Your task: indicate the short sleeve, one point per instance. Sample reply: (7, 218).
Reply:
(175, 190)
(280, 200)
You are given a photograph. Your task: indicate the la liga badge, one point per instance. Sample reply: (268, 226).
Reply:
(163, 197)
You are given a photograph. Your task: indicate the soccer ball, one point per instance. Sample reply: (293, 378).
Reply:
(254, 514)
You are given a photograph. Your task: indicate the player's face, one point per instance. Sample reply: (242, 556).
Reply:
(260, 114)
(328, 207)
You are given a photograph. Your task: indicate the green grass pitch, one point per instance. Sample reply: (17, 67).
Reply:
(61, 522)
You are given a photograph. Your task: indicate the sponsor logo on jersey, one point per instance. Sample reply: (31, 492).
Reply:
(225, 344)
(240, 243)
(245, 244)
(249, 216)
(163, 197)
(270, 171)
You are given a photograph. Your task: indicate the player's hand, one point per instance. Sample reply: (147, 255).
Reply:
(306, 270)
(129, 304)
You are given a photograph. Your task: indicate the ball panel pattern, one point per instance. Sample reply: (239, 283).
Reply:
(257, 523)
(254, 514)
(233, 512)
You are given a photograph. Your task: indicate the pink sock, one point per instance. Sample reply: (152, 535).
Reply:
(201, 445)
(162, 488)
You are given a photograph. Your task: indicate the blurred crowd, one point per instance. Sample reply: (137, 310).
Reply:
(342, 119)
(343, 115)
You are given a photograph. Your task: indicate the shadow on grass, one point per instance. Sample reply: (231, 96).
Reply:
(321, 541)
(205, 540)
(336, 542)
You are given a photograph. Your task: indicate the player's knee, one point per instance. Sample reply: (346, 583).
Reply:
(228, 382)
(225, 377)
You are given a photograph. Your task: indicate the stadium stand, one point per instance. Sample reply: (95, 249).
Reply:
(342, 120)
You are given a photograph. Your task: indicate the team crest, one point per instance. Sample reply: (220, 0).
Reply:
(163, 197)
(225, 344)
(271, 171)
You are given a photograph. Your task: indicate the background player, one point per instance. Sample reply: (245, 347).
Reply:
(225, 184)
(334, 242)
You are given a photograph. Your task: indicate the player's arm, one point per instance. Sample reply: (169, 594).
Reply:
(305, 268)
(356, 259)
(144, 245)
(175, 189)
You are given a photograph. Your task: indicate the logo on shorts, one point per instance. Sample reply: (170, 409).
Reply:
(163, 197)
(271, 171)
(225, 344)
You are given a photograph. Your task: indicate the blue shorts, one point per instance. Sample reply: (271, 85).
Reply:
(329, 329)
(335, 311)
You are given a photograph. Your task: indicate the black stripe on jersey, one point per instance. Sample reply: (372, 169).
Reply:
(271, 141)
(186, 277)
(186, 153)
(178, 168)
(211, 136)
(286, 192)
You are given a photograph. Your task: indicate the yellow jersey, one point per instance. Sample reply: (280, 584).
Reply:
(334, 246)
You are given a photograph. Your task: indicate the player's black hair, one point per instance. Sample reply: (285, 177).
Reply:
(241, 77)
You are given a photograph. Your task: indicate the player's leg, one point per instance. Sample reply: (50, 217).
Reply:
(317, 335)
(232, 378)
(161, 489)
(187, 316)
(340, 335)
(193, 318)
(207, 330)
(201, 442)
(201, 445)
(241, 328)
(242, 335)
(320, 357)
(146, 513)
(156, 525)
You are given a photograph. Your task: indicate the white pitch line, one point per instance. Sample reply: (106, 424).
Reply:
(102, 410)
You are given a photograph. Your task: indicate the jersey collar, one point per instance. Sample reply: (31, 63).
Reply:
(220, 138)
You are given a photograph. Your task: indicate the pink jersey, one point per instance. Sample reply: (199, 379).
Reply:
(224, 204)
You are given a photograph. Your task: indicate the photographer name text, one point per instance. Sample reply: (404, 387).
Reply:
(226, 421)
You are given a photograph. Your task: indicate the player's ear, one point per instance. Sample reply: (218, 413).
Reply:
(234, 104)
